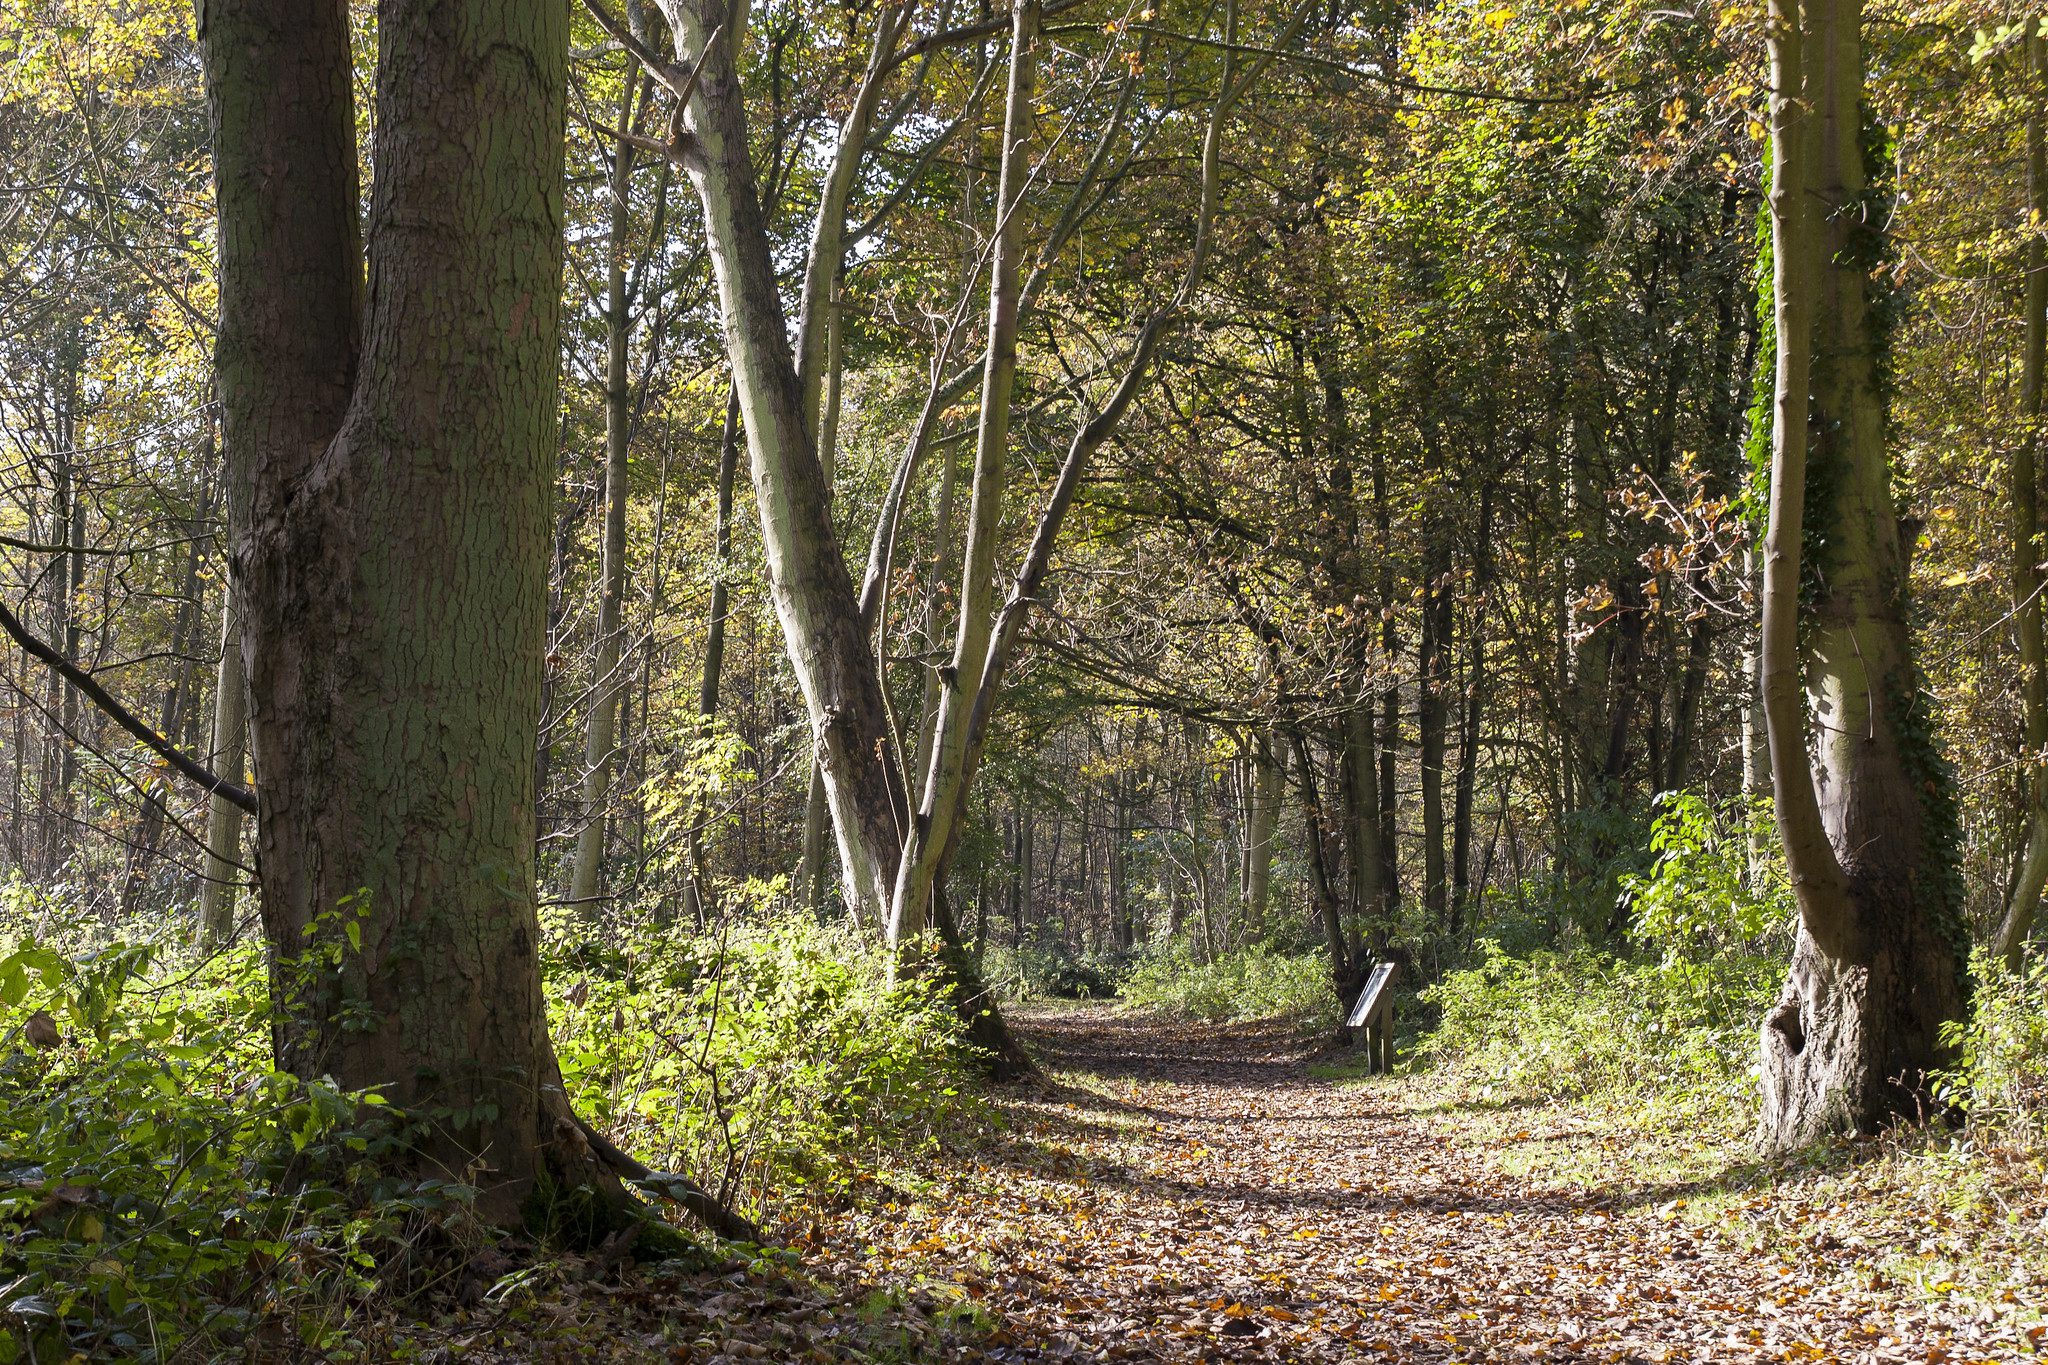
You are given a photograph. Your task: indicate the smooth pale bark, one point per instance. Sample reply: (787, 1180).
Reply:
(391, 451)
(606, 681)
(227, 755)
(1874, 970)
(960, 683)
(2025, 900)
(807, 577)
(819, 331)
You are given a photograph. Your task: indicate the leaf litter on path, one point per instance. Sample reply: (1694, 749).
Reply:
(1182, 1193)
(1192, 1193)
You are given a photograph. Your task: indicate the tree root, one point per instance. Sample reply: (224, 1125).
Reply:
(697, 1201)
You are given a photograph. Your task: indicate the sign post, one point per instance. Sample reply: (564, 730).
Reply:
(1374, 1013)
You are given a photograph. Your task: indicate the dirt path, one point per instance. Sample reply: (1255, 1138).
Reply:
(1195, 1194)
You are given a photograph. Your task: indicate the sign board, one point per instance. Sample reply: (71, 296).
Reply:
(1369, 998)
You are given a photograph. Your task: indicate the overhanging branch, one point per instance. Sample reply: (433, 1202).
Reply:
(190, 767)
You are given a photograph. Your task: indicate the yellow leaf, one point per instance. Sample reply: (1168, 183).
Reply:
(1498, 19)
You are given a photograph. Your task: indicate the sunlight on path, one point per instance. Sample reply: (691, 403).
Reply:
(1194, 1194)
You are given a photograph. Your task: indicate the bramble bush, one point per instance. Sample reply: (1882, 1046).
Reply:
(1045, 967)
(156, 1197)
(166, 1192)
(2000, 1076)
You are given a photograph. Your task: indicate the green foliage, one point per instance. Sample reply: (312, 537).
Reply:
(1253, 982)
(1671, 1038)
(2000, 1078)
(1701, 897)
(1044, 966)
(157, 1190)
(771, 1060)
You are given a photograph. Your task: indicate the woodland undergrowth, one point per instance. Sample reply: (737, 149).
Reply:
(166, 1193)
(1637, 1070)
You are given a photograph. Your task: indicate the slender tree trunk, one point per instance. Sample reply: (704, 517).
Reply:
(1875, 970)
(1433, 683)
(1263, 791)
(1390, 697)
(811, 875)
(700, 892)
(1329, 908)
(2025, 900)
(807, 576)
(607, 683)
(226, 755)
(931, 831)
(142, 853)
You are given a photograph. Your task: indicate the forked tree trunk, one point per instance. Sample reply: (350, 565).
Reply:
(931, 831)
(1875, 969)
(391, 459)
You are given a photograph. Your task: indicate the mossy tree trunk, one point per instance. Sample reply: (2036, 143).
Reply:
(1860, 800)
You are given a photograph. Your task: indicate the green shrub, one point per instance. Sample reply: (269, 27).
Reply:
(155, 1197)
(1701, 897)
(2000, 1078)
(768, 1062)
(1254, 982)
(1673, 1034)
(1044, 967)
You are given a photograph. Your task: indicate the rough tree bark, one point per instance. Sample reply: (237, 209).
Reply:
(1875, 970)
(390, 452)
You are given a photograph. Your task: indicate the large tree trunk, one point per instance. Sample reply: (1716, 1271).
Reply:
(1875, 971)
(391, 460)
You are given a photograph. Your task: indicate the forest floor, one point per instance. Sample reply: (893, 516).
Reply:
(1185, 1193)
